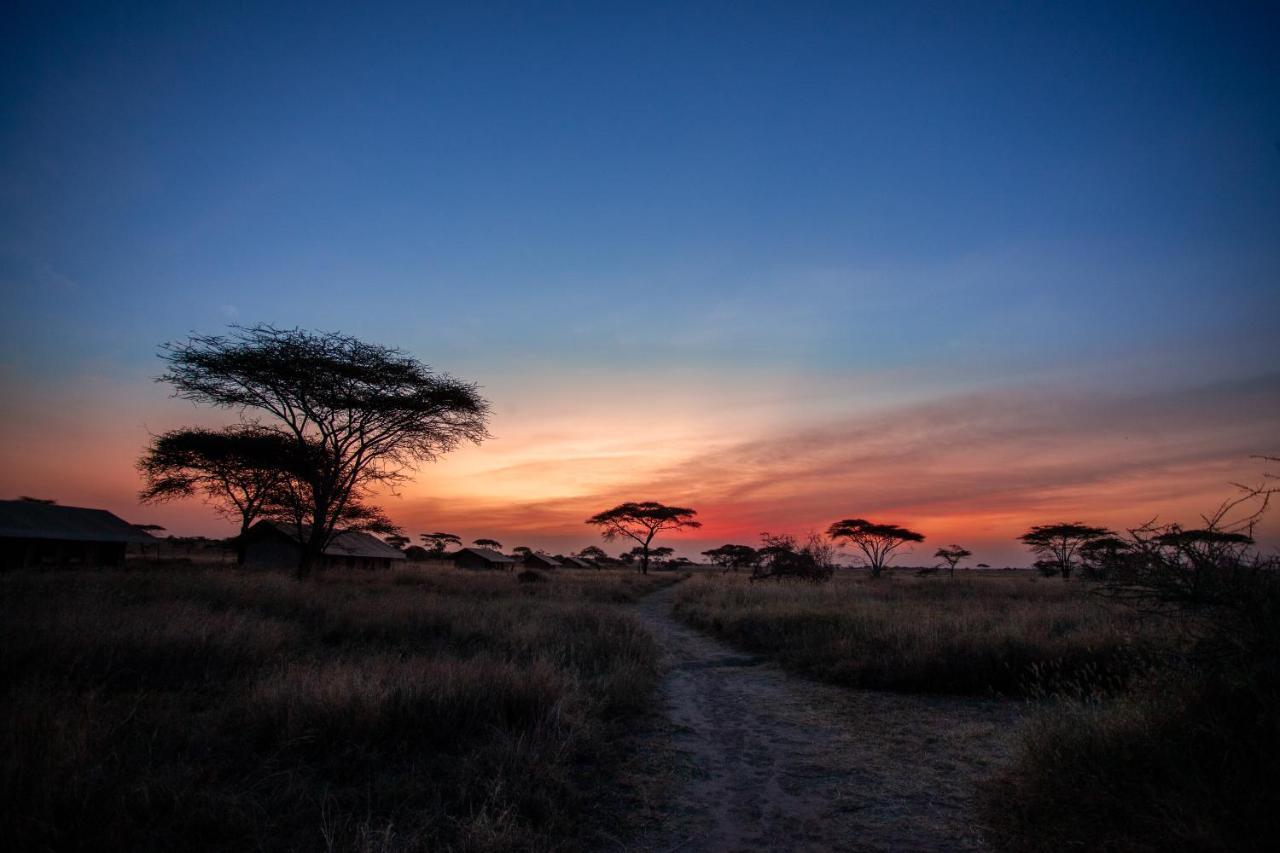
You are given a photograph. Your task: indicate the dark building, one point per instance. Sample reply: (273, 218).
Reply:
(274, 545)
(39, 534)
(541, 561)
(576, 563)
(482, 558)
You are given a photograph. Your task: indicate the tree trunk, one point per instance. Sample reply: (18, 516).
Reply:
(644, 562)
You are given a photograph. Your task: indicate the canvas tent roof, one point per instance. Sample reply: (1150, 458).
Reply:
(543, 560)
(488, 554)
(347, 543)
(32, 520)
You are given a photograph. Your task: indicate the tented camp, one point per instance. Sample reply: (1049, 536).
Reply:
(482, 558)
(274, 545)
(40, 534)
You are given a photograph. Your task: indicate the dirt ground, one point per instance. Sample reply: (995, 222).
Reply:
(755, 759)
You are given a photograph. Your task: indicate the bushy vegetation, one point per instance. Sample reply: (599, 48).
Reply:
(1186, 760)
(1005, 634)
(218, 710)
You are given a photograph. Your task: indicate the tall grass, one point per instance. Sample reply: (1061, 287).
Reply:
(1008, 635)
(221, 710)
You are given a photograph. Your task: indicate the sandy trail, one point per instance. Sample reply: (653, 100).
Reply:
(771, 761)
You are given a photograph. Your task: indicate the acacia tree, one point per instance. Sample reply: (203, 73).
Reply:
(239, 471)
(877, 542)
(593, 552)
(642, 521)
(1058, 545)
(397, 541)
(952, 555)
(732, 557)
(437, 542)
(488, 543)
(364, 413)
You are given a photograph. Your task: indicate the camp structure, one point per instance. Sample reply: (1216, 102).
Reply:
(275, 545)
(33, 533)
(482, 558)
(576, 563)
(535, 560)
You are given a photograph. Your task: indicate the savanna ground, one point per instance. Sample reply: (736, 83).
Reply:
(178, 708)
(162, 709)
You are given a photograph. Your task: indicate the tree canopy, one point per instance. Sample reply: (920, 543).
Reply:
(364, 413)
(642, 521)
(1058, 545)
(437, 542)
(732, 557)
(488, 543)
(952, 555)
(876, 541)
(239, 470)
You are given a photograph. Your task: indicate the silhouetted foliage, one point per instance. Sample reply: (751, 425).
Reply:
(238, 470)
(593, 552)
(642, 521)
(952, 555)
(877, 542)
(365, 413)
(1058, 545)
(731, 558)
(31, 500)
(522, 550)
(782, 557)
(488, 543)
(437, 542)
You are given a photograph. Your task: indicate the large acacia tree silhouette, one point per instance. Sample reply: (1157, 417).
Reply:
(362, 414)
(642, 521)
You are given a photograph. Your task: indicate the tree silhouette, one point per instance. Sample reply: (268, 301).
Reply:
(593, 552)
(1058, 545)
(488, 543)
(238, 470)
(732, 557)
(642, 521)
(952, 555)
(368, 413)
(437, 542)
(397, 541)
(877, 542)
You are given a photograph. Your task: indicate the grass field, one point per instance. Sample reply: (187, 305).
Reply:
(217, 710)
(1011, 634)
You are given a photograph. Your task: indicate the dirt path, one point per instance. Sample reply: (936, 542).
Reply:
(771, 761)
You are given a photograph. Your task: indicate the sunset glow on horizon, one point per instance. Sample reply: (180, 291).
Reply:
(781, 265)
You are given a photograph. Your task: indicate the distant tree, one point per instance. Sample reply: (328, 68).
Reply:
(437, 542)
(593, 552)
(952, 555)
(877, 542)
(782, 557)
(365, 413)
(642, 521)
(627, 558)
(522, 550)
(732, 557)
(150, 528)
(1102, 557)
(31, 500)
(240, 471)
(1058, 545)
(397, 541)
(416, 553)
(488, 543)
(983, 566)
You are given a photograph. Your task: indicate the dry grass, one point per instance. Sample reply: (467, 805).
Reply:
(983, 634)
(219, 710)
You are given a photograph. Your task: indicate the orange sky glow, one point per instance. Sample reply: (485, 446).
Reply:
(975, 468)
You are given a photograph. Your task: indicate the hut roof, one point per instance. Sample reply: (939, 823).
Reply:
(578, 563)
(543, 560)
(487, 554)
(345, 543)
(32, 520)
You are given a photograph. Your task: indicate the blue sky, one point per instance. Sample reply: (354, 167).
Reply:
(893, 201)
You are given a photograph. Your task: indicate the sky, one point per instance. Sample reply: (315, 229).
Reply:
(962, 267)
